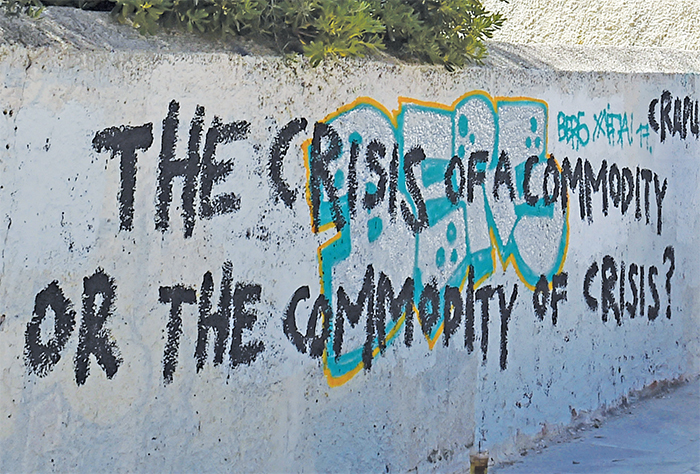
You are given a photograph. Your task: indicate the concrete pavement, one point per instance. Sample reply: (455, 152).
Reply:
(660, 435)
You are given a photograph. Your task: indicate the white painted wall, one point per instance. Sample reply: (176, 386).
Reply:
(638, 23)
(417, 406)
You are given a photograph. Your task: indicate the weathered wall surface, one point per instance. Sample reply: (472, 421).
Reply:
(215, 262)
(669, 24)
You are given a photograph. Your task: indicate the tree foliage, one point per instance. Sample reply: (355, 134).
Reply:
(447, 32)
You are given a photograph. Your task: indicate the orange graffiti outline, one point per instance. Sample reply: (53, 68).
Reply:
(496, 251)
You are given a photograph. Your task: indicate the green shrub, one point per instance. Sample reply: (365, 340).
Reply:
(32, 8)
(448, 32)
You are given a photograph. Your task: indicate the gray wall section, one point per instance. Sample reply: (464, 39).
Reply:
(93, 390)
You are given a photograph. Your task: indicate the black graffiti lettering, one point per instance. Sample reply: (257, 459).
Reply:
(529, 164)
(540, 297)
(665, 110)
(41, 356)
(614, 185)
(218, 321)
(393, 181)
(429, 308)
(484, 294)
(687, 117)
(315, 342)
(352, 177)
(213, 171)
(475, 177)
(677, 118)
(94, 337)
(124, 141)
(617, 185)
(177, 296)
(289, 323)
(638, 207)
(694, 122)
(653, 311)
(452, 313)
(167, 165)
(503, 176)
(469, 311)
(652, 115)
(669, 254)
(320, 159)
(379, 303)
(244, 318)
(543, 297)
(420, 222)
(641, 290)
(189, 169)
(375, 327)
(632, 307)
(506, 309)
(375, 150)
(278, 150)
(594, 184)
(660, 193)
(590, 274)
(626, 189)
(310, 342)
(169, 168)
(573, 180)
(551, 173)
(559, 293)
(623, 276)
(647, 176)
(455, 165)
(401, 305)
(608, 281)
(353, 310)
(612, 275)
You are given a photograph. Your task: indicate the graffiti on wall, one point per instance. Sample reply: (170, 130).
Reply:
(416, 209)
(442, 191)
(667, 117)
(615, 128)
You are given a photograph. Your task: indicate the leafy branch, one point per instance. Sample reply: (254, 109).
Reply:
(447, 32)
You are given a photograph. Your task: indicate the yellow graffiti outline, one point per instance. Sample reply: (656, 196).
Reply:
(496, 251)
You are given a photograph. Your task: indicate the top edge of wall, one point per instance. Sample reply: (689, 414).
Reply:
(73, 30)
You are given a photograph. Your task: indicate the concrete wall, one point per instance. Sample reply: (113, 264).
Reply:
(213, 262)
(661, 24)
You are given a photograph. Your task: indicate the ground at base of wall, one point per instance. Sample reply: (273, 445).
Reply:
(657, 431)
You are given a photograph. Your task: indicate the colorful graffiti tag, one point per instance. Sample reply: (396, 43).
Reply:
(666, 117)
(443, 191)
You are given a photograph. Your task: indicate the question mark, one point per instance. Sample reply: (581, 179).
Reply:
(669, 254)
